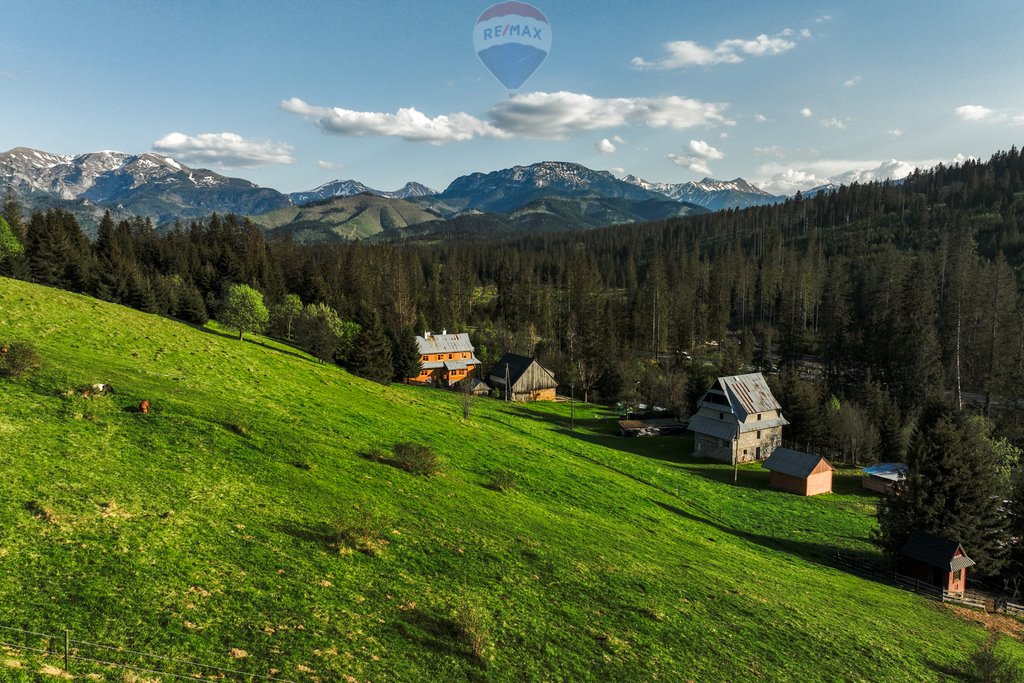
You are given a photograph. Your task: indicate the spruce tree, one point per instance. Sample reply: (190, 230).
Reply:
(405, 355)
(953, 488)
(371, 357)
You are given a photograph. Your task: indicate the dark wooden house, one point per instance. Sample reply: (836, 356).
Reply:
(804, 474)
(935, 560)
(518, 378)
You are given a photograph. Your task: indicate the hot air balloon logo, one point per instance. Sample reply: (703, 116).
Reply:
(512, 39)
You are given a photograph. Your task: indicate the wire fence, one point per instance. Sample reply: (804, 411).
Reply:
(72, 649)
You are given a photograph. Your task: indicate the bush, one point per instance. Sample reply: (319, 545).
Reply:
(502, 481)
(362, 530)
(415, 458)
(18, 360)
(473, 626)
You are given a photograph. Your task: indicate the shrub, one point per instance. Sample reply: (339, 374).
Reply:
(503, 480)
(473, 626)
(415, 458)
(361, 529)
(18, 359)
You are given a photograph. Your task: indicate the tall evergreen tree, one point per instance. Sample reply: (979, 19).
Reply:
(405, 355)
(371, 357)
(953, 488)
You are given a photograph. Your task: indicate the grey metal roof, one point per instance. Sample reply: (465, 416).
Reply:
(748, 394)
(793, 463)
(455, 364)
(935, 551)
(444, 343)
(701, 424)
(763, 424)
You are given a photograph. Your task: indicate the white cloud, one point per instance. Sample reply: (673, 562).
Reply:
(683, 53)
(723, 135)
(532, 115)
(697, 160)
(1018, 119)
(805, 33)
(823, 18)
(407, 123)
(787, 178)
(833, 123)
(806, 112)
(618, 171)
(761, 118)
(771, 151)
(328, 165)
(561, 114)
(894, 132)
(223, 149)
(605, 146)
(617, 139)
(850, 82)
(973, 112)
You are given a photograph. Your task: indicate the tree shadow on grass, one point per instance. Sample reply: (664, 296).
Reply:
(256, 342)
(439, 634)
(818, 553)
(317, 533)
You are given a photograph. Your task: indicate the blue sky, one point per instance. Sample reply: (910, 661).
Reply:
(291, 95)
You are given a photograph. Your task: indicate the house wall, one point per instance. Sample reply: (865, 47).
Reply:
(710, 447)
(785, 482)
(748, 443)
(957, 581)
(875, 484)
(818, 483)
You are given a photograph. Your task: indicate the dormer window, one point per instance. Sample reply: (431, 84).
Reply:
(759, 417)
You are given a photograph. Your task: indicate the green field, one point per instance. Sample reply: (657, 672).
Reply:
(211, 524)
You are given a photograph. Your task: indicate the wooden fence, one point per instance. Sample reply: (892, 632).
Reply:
(872, 569)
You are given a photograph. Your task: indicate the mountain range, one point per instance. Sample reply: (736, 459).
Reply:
(549, 195)
(714, 195)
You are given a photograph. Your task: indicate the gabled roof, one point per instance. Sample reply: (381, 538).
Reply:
(444, 343)
(936, 551)
(794, 463)
(748, 394)
(518, 366)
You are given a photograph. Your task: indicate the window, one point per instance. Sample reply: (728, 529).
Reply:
(744, 451)
(759, 435)
(426, 358)
(759, 417)
(721, 416)
(449, 356)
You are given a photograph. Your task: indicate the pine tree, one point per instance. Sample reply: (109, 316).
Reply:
(13, 213)
(953, 488)
(405, 355)
(371, 357)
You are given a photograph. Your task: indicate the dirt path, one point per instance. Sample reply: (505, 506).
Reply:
(996, 623)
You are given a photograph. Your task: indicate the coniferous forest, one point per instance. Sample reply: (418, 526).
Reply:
(862, 304)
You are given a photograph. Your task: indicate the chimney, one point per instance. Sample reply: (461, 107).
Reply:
(426, 335)
(444, 331)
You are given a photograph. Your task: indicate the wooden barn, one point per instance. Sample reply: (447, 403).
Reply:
(935, 560)
(804, 474)
(518, 378)
(737, 420)
(445, 359)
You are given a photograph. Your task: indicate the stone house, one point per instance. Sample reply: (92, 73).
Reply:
(737, 420)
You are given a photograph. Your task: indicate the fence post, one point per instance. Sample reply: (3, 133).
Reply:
(67, 638)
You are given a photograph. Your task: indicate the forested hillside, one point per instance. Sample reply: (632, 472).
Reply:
(886, 292)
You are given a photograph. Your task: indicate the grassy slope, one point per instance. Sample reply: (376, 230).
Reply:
(345, 218)
(611, 559)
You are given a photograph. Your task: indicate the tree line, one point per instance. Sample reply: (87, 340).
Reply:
(864, 303)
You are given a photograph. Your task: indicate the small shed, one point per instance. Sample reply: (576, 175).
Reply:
(935, 560)
(881, 478)
(801, 473)
(478, 387)
(519, 378)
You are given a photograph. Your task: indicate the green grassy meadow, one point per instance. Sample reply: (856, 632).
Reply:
(210, 525)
